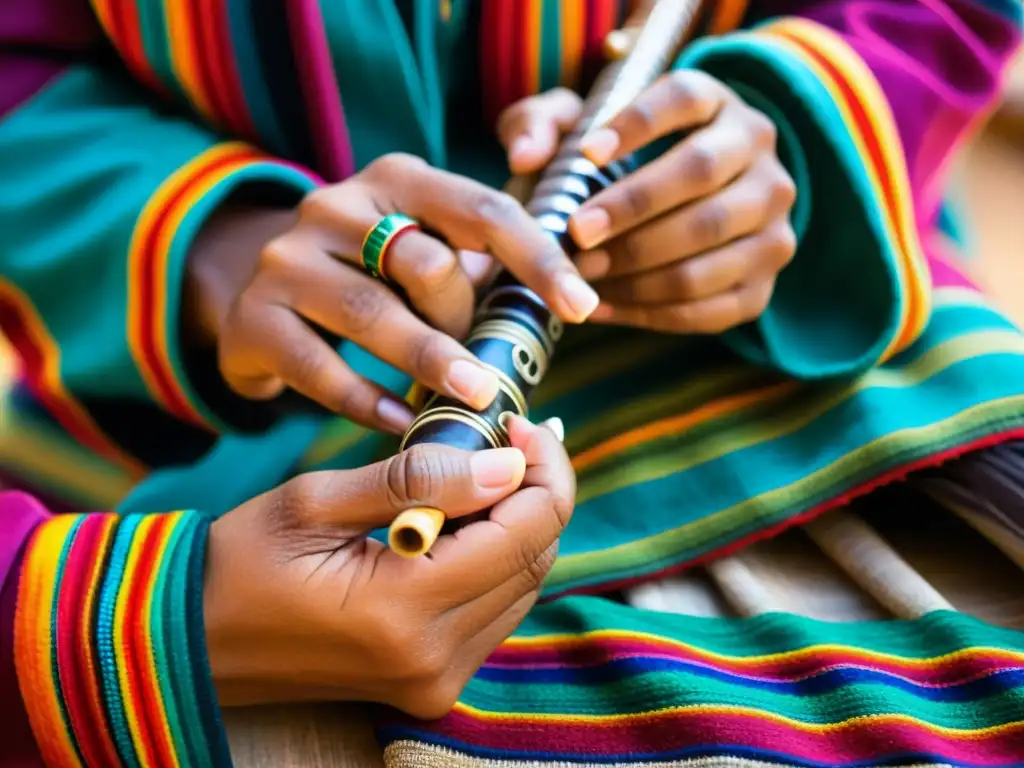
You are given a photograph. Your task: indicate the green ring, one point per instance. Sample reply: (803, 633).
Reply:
(377, 240)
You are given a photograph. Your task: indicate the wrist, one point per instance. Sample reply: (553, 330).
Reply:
(222, 261)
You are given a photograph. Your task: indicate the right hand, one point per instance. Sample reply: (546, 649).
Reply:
(311, 273)
(301, 605)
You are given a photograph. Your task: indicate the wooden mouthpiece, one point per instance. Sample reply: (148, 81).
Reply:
(415, 530)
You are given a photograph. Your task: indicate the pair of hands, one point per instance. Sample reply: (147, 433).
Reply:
(299, 603)
(690, 243)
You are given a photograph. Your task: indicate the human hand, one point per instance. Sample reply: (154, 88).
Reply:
(300, 605)
(693, 241)
(309, 272)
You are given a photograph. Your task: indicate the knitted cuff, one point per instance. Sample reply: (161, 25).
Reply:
(109, 642)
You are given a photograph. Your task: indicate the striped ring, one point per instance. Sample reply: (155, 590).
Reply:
(381, 237)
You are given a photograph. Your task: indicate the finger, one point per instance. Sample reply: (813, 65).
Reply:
(474, 217)
(743, 207)
(434, 280)
(679, 100)
(719, 270)
(336, 221)
(530, 130)
(499, 612)
(711, 315)
(292, 354)
(702, 164)
(547, 462)
(459, 482)
(363, 310)
(520, 531)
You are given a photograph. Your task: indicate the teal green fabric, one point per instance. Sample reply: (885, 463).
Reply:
(68, 220)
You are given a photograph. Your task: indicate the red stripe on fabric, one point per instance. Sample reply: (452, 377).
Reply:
(152, 726)
(893, 475)
(149, 280)
(72, 670)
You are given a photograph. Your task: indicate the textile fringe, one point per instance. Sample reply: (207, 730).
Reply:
(414, 754)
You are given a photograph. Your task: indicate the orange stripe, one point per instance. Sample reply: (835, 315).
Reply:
(184, 56)
(41, 358)
(675, 424)
(148, 254)
(574, 26)
(34, 641)
(531, 46)
(727, 16)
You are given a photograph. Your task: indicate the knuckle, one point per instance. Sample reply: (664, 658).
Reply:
(635, 201)
(782, 244)
(417, 475)
(276, 254)
(436, 270)
(700, 166)
(711, 223)
(318, 205)
(781, 191)
(362, 304)
(304, 364)
(692, 91)
(427, 358)
(494, 209)
(762, 128)
(637, 120)
(687, 281)
(393, 165)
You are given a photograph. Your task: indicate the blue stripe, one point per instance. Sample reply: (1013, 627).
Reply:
(826, 681)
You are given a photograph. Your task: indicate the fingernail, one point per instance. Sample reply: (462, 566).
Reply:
(497, 468)
(476, 386)
(581, 298)
(594, 265)
(600, 146)
(590, 226)
(394, 415)
(555, 425)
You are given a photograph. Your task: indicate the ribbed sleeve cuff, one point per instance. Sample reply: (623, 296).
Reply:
(858, 289)
(158, 255)
(109, 642)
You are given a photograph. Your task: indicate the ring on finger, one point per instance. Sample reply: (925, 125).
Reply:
(379, 240)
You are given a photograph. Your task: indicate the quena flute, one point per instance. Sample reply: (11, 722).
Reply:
(514, 333)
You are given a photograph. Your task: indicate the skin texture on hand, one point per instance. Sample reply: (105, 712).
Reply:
(693, 241)
(301, 605)
(261, 282)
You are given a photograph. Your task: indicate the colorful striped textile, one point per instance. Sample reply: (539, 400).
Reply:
(109, 643)
(589, 682)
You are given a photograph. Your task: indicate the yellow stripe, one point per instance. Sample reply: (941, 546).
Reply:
(34, 642)
(184, 57)
(151, 674)
(532, 45)
(912, 265)
(130, 697)
(572, 41)
(569, 641)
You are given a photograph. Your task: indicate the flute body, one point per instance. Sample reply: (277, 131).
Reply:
(514, 333)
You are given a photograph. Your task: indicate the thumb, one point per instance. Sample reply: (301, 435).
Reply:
(455, 481)
(531, 129)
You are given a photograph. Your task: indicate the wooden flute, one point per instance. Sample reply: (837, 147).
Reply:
(514, 333)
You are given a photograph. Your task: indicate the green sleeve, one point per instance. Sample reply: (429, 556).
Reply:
(103, 191)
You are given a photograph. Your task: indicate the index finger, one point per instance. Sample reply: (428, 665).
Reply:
(475, 217)
(484, 555)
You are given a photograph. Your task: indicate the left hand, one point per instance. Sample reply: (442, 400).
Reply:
(693, 241)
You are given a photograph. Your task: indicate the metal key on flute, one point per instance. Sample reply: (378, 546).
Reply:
(514, 333)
